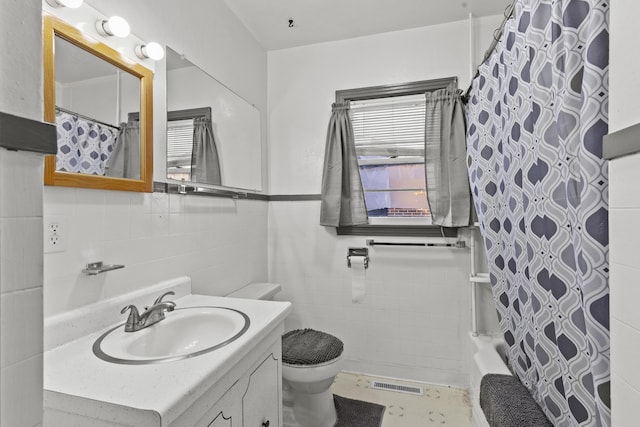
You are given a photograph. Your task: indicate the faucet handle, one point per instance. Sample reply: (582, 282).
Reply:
(159, 299)
(133, 319)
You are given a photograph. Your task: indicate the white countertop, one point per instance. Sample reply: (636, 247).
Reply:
(73, 369)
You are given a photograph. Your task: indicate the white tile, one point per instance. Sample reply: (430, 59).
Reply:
(71, 291)
(624, 232)
(21, 393)
(58, 201)
(139, 202)
(625, 352)
(21, 250)
(625, 400)
(625, 294)
(89, 203)
(147, 202)
(21, 326)
(160, 203)
(624, 172)
(141, 225)
(21, 183)
(116, 227)
(176, 203)
(117, 203)
(159, 224)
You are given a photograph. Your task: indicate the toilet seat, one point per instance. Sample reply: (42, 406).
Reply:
(308, 347)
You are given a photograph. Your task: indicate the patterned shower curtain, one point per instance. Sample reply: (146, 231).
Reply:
(83, 146)
(535, 121)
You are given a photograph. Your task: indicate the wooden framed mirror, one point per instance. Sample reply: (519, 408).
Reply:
(90, 90)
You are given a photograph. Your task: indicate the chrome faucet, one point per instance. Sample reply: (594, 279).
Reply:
(151, 315)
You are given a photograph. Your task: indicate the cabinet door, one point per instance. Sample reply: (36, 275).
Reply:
(221, 421)
(261, 402)
(226, 412)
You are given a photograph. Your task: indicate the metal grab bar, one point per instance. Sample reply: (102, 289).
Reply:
(460, 244)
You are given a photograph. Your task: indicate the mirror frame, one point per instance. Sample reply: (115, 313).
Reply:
(54, 27)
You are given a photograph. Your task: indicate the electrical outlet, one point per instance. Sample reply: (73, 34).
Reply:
(54, 235)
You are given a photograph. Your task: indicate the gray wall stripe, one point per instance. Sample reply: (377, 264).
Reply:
(19, 133)
(621, 143)
(294, 197)
(164, 187)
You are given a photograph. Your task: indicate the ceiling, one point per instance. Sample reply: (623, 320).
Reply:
(316, 21)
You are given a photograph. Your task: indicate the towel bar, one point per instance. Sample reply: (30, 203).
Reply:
(459, 244)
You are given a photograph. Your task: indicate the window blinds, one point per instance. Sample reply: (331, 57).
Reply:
(179, 142)
(391, 126)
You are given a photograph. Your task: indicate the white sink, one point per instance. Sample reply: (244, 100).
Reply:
(184, 333)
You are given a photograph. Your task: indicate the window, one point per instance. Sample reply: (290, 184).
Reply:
(389, 140)
(179, 147)
(180, 141)
(388, 124)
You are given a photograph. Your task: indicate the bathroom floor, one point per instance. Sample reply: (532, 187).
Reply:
(439, 406)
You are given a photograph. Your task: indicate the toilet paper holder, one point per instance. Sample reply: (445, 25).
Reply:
(364, 252)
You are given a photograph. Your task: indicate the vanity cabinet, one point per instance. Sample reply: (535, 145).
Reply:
(239, 385)
(253, 401)
(221, 421)
(262, 399)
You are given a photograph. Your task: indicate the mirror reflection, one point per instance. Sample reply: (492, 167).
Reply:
(213, 135)
(93, 101)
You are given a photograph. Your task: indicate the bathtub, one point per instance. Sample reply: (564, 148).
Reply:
(487, 357)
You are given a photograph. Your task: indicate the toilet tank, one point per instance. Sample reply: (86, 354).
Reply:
(262, 290)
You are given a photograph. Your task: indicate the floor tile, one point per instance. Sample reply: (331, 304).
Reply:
(439, 406)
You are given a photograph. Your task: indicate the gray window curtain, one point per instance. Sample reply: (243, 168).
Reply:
(125, 160)
(445, 159)
(205, 163)
(342, 194)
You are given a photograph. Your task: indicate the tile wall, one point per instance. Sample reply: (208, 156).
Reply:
(625, 288)
(220, 243)
(624, 218)
(20, 288)
(415, 319)
(20, 220)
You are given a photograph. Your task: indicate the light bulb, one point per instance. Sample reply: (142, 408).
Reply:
(65, 3)
(114, 26)
(151, 50)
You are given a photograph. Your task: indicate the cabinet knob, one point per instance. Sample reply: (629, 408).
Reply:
(265, 424)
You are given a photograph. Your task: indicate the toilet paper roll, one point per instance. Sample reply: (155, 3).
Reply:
(358, 279)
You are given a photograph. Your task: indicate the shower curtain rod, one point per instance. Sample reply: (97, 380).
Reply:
(497, 34)
(81, 116)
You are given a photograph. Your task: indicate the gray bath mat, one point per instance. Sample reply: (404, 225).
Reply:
(356, 413)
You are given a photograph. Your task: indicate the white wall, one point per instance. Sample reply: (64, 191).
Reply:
(414, 321)
(20, 220)
(624, 214)
(220, 243)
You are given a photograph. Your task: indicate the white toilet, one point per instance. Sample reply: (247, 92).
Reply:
(310, 361)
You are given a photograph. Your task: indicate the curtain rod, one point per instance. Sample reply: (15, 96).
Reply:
(497, 34)
(82, 116)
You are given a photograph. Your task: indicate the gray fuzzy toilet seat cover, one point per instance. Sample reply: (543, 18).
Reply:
(309, 347)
